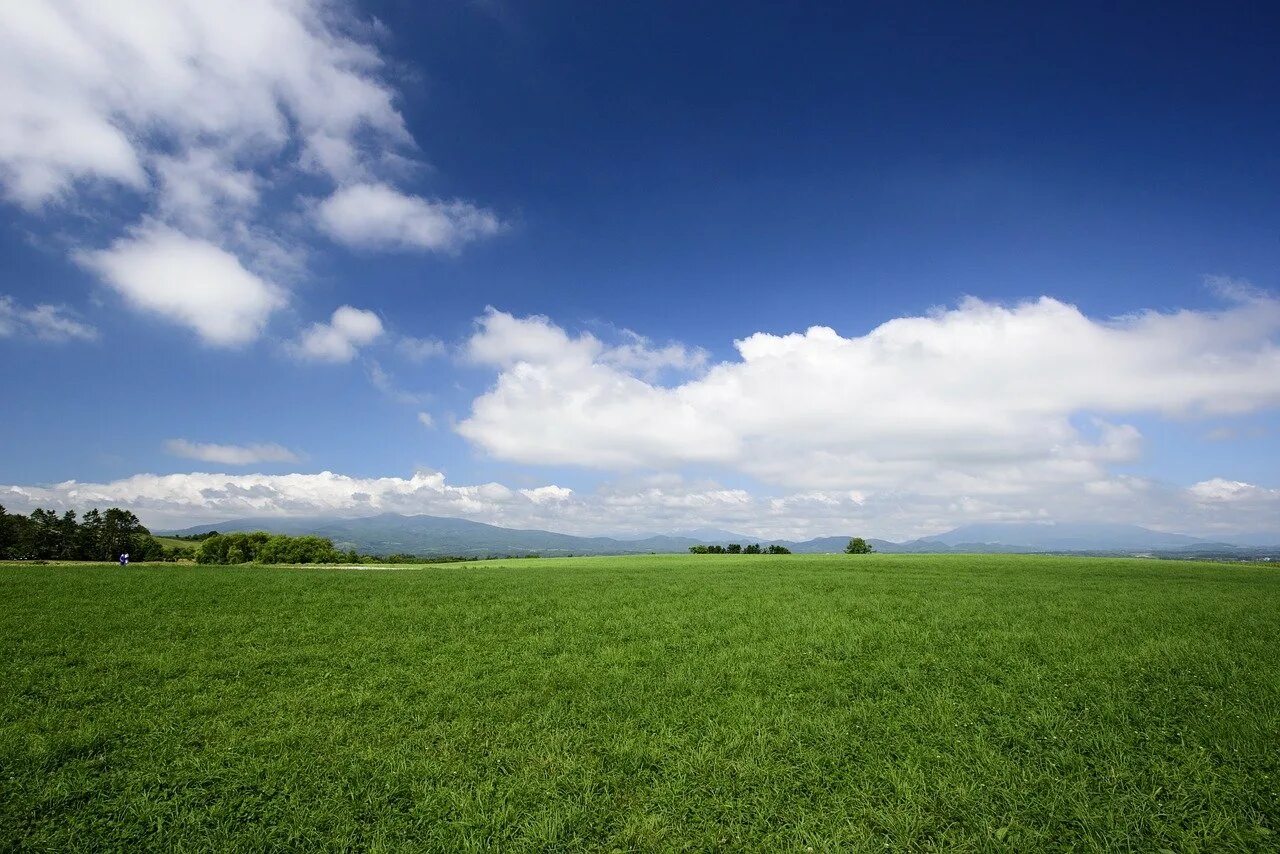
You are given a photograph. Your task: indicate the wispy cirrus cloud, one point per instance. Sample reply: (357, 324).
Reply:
(420, 349)
(231, 455)
(386, 384)
(42, 322)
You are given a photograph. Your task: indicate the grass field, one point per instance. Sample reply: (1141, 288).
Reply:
(175, 543)
(644, 703)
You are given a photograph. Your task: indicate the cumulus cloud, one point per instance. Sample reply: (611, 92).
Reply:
(425, 419)
(189, 281)
(639, 355)
(980, 399)
(377, 216)
(182, 498)
(503, 340)
(340, 339)
(199, 111)
(658, 504)
(108, 92)
(230, 455)
(44, 322)
(1221, 490)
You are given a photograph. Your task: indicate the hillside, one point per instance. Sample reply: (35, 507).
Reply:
(392, 533)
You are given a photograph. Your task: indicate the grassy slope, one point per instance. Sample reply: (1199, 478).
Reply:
(969, 702)
(174, 542)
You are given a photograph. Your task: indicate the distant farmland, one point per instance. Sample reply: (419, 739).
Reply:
(643, 703)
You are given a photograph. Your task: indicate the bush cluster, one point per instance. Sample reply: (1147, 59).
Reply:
(738, 548)
(262, 547)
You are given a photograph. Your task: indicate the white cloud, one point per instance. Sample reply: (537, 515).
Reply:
(108, 91)
(982, 399)
(548, 494)
(187, 280)
(185, 498)
(640, 356)
(420, 349)
(425, 419)
(199, 111)
(383, 382)
(339, 339)
(1221, 490)
(200, 189)
(503, 340)
(377, 216)
(231, 455)
(659, 504)
(45, 322)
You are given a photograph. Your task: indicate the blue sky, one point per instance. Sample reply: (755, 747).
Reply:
(665, 181)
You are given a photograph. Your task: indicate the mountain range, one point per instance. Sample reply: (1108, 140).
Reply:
(392, 533)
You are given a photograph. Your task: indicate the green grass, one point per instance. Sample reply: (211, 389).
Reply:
(175, 543)
(643, 703)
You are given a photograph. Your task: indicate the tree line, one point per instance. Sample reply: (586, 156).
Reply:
(739, 549)
(857, 546)
(105, 535)
(263, 547)
(49, 535)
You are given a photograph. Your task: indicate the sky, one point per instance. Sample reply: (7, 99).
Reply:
(785, 269)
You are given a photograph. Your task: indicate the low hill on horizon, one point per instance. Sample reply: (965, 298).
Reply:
(391, 533)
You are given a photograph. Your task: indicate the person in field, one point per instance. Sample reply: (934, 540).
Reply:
(124, 558)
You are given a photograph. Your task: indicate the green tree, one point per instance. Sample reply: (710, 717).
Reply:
(120, 531)
(858, 546)
(89, 544)
(147, 548)
(44, 534)
(68, 545)
(213, 550)
(22, 537)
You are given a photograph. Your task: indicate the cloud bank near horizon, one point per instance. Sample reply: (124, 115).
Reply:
(982, 412)
(658, 503)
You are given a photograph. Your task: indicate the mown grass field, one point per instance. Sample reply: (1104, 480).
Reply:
(643, 703)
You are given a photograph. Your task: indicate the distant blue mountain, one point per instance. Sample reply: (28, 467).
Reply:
(392, 533)
(1058, 536)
